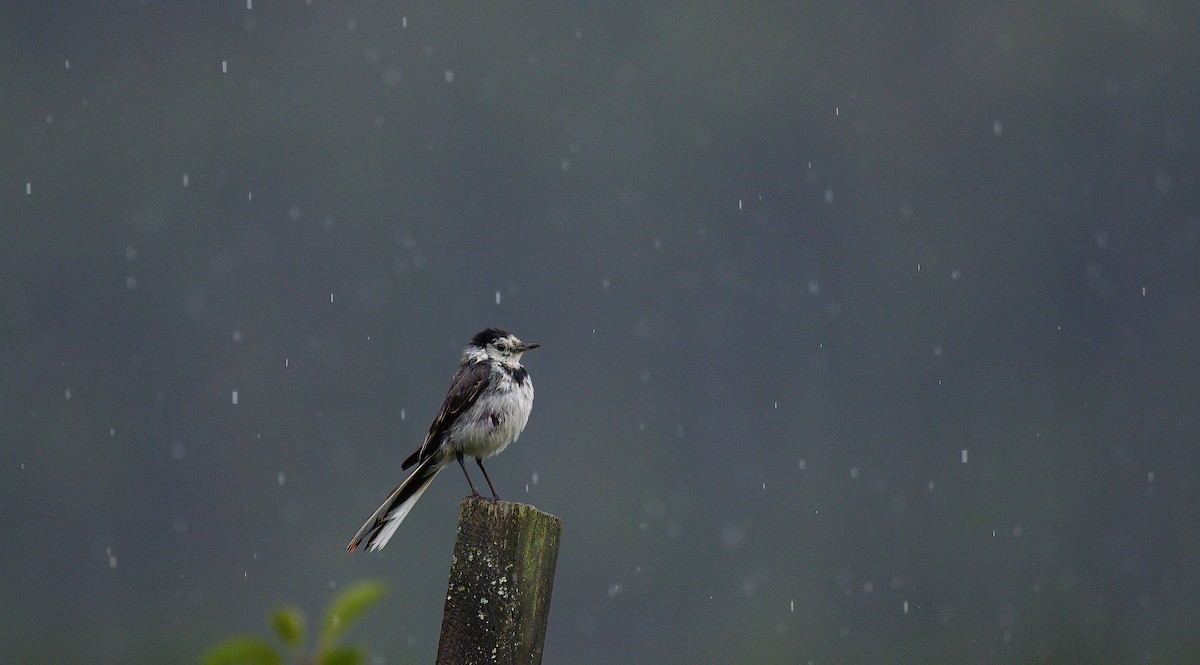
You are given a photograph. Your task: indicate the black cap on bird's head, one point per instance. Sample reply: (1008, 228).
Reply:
(485, 337)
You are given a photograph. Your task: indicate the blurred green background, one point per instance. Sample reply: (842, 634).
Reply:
(869, 331)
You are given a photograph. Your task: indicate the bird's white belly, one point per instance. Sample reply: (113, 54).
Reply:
(490, 425)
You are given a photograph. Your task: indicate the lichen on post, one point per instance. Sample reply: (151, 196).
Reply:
(501, 578)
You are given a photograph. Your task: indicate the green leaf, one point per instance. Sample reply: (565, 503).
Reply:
(346, 608)
(343, 656)
(242, 651)
(289, 626)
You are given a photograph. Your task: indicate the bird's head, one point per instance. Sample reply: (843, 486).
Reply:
(501, 345)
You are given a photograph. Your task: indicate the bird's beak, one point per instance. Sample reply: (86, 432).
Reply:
(525, 347)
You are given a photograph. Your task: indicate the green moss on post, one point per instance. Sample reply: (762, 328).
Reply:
(498, 599)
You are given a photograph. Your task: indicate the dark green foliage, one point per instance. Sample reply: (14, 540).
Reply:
(346, 608)
(343, 656)
(289, 625)
(243, 650)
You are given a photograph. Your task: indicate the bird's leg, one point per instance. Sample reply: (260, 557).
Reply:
(474, 492)
(489, 480)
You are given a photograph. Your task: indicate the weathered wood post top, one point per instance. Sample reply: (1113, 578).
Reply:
(498, 599)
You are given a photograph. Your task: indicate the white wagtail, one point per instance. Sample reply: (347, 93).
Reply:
(487, 407)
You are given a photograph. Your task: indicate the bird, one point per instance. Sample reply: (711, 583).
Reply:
(486, 408)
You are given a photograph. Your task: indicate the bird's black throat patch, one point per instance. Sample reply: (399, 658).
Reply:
(518, 374)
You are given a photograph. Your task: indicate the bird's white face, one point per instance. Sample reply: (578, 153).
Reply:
(507, 348)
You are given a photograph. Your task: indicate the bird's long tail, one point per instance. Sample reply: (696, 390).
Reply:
(380, 527)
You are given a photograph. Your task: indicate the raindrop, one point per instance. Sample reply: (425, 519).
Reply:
(1162, 182)
(733, 536)
(655, 509)
(749, 585)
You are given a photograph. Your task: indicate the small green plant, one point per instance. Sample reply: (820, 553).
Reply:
(289, 626)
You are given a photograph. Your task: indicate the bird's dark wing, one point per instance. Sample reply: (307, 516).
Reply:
(464, 390)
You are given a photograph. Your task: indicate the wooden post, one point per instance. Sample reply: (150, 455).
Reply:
(498, 599)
